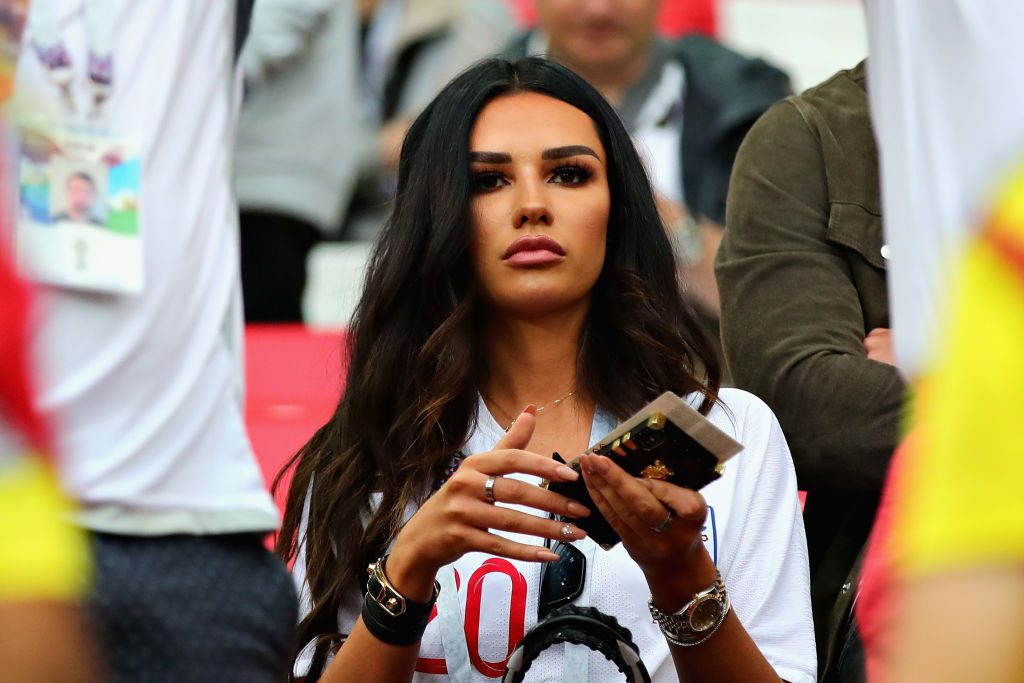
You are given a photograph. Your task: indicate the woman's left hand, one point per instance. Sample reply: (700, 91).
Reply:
(674, 560)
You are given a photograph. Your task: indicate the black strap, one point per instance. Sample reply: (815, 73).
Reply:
(581, 626)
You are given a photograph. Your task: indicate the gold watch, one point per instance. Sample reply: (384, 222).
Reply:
(698, 619)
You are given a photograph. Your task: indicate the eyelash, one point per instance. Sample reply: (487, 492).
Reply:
(580, 171)
(584, 174)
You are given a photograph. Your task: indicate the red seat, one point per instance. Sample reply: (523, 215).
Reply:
(293, 382)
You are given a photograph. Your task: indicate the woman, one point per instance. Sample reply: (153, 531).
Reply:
(525, 264)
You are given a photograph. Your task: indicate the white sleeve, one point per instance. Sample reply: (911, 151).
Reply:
(767, 575)
(305, 657)
(949, 124)
(299, 566)
(281, 30)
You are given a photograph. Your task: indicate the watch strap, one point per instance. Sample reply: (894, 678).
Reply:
(676, 626)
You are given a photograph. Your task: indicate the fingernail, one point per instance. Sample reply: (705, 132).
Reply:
(587, 462)
(531, 409)
(546, 555)
(577, 510)
(567, 473)
(601, 464)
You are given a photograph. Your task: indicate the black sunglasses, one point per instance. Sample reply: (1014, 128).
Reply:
(561, 580)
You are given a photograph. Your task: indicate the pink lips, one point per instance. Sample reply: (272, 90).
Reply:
(534, 250)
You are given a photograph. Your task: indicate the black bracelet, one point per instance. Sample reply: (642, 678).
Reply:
(406, 629)
(391, 617)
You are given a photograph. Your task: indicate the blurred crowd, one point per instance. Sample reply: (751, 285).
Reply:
(853, 255)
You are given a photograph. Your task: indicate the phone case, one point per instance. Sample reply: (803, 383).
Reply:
(666, 440)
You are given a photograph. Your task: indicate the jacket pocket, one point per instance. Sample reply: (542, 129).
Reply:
(854, 227)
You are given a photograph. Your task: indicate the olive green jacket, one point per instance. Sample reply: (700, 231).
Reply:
(801, 271)
(802, 276)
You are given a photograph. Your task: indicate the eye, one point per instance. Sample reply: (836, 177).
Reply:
(571, 175)
(488, 181)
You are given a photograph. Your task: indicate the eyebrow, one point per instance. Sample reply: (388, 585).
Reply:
(491, 157)
(568, 151)
(547, 155)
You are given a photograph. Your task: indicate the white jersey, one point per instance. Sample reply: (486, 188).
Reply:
(948, 112)
(754, 532)
(146, 389)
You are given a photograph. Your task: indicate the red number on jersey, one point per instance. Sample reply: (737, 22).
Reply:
(474, 600)
(516, 611)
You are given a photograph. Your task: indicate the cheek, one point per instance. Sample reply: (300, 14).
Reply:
(488, 216)
(589, 232)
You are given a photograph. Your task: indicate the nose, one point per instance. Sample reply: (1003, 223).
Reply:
(533, 208)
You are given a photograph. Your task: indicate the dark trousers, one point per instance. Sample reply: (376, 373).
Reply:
(192, 609)
(274, 252)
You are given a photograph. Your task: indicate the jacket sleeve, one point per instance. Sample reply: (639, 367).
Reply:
(792, 323)
(280, 31)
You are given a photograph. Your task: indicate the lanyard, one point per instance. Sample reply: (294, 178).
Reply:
(575, 662)
(48, 44)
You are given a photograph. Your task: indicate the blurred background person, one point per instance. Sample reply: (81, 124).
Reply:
(687, 103)
(295, 159)
(144, 387)
(408, 49)
(332, 86)
(944, 579)
(805, 325)
(44, 558)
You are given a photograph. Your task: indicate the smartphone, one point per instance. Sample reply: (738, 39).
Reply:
(668, 440)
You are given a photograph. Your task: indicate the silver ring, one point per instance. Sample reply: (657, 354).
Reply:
(566, 531)
(489, 488)
(666, 524)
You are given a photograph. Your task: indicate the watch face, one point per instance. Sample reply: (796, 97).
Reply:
(705, 614)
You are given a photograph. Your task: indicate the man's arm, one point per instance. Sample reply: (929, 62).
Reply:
(792, 324)
(280, 31)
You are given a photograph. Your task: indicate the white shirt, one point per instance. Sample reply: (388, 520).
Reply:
(146, 390)
(948, 112)
(754, 532)
(658, 132)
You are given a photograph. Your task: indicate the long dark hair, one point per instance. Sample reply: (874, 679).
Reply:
(415, 363)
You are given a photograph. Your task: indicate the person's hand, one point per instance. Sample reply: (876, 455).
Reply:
(389, 141)
(456, 520)
(878, 345)
(672, 213)
(674, 559)
(696, 244)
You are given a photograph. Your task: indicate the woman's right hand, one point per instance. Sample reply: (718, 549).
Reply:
(458, 518)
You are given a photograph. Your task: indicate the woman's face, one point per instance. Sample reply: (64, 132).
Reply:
(540, 204)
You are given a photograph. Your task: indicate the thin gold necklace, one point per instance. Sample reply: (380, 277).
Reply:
(552, 405)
